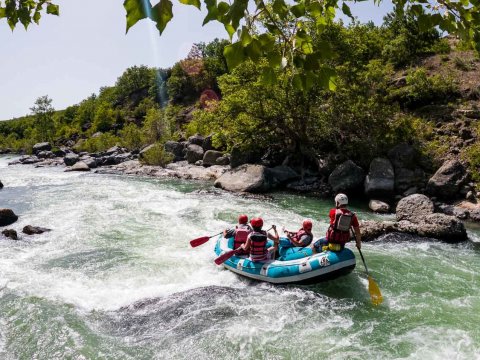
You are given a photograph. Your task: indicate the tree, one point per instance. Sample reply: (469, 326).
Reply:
(43, 112)
(26, 11)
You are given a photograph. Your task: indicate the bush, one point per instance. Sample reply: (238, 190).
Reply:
(422, 89)
(132, 137)
(100, 143)
(472, 155)
(157, 155)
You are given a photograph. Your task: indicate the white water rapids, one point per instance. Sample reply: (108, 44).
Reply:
(116, 279)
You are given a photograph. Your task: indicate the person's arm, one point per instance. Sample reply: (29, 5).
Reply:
(275, 237)
(246, 245)
(358, 237)
(295, 242)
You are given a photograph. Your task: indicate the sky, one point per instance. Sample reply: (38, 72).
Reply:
(71, 56)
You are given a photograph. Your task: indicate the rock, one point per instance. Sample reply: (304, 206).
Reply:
(475, 215)
(70, 159)
(465, 133)
(460, 213)
(403, 156)
(470, 195)
(199, 163)
(97, 134)
(380, 178)
(347, 176)
(43, 146)
(196, 139)
(45, 155)
(414, 207)
(240, 157)
(446, 182)
(114, 150)
(60, 152)
(207, 143)
(26, 160)
(194, 153)
(91, 162)
(246, 178)
(79, 166)
(10, 233)
(223, 160)
(379, 206)
(119, 158)
(7, 217)
(31, 230)
(283, 174)
(1, 185)
(176, 148)
(406, 179)
(210, 157)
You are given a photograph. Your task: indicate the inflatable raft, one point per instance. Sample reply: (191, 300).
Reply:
(295, 265)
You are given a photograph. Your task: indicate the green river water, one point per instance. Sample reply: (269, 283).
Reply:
(116, 279)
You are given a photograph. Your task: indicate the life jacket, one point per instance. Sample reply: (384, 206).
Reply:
(241, 235)
(301, 233)
(258, 251)
(339, 231)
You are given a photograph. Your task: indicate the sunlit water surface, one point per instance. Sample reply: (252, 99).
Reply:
(116, 279)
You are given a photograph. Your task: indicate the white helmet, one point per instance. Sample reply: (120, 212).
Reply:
(341, 199)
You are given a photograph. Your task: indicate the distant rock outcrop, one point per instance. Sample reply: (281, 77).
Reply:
(31, 230)
(346, 176)
(7, 217)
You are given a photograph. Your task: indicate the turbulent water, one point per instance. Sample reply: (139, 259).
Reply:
(116, 279)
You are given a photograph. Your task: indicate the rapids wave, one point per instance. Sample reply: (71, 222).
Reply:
(116, 279)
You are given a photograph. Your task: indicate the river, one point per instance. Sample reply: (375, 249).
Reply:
(116, 279)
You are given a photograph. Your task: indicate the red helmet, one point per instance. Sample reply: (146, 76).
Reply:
(256, 222)
(242, 219)
(307, 225)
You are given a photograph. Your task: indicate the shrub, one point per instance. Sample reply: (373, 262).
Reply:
(472, 155)
(157, 155)
(132, 137)
(99, 143)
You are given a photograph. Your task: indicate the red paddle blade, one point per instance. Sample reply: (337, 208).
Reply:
(224, 257)
(199, 241)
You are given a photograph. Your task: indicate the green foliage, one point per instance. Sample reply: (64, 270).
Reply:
(104, 119)
(472, 155)
(133, 83)
(98, 143)
(157, 155)
(131, 137)
(26, 11)
(158, 126)
(43, 112)
(423, 90)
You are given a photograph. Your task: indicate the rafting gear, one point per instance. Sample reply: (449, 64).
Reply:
(339, 231)
(201, 240)
(257, 222)
(307, 224)
(373, 288)
(300, 233)
(295, 266)
(258, 250)
(243, 219)
(341, 199)
(241, 234)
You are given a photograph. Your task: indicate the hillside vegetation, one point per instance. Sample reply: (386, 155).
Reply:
(394, 84)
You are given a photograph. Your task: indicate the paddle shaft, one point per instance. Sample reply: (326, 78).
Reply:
(364, 263)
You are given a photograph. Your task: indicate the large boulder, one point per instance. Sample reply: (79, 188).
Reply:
(403, 156)
(70, 159)
(223, 160)
(194, 153)
(43, 146)
(210, 157)
(1, 185)
(196, 139)
(414, 207)
(446, 182)
(380, 178)
(246, 178)
(346, 176)
(406, 179)
(7, 217)
(79, 166)
(283, 174)
(114, 150)
(10, 233)
(176, 148)
(45, 154)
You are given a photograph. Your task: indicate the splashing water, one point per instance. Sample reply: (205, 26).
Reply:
(116, 279)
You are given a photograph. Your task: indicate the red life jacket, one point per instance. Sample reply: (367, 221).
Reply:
(241, 235)
(258, 243)
(301, 233)
(339, 231)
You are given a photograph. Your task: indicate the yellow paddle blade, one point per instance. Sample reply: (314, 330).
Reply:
(374, 291)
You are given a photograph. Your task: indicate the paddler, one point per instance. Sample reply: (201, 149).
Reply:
(302, 237)
(256, 244)
(240, 232)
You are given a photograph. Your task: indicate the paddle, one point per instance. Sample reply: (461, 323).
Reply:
(224, 257)
(373, 288)
(202, 240)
